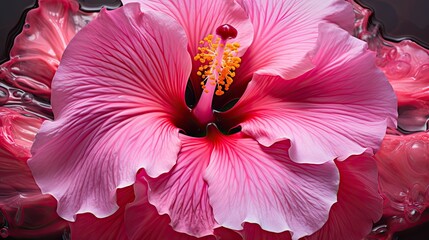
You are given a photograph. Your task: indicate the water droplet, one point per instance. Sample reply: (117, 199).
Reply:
(397, 69)
(404, 57)
(27, 98)
(382, 229)
(17, 93)
(392, 53)
(4, 232)
(378, 232)
(417, 195)
(418, 156)
(412, 214)
(422, 73)
(396, 220)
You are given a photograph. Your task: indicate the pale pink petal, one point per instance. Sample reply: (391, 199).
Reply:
(182, 193)
(37, 51)
(403, 163)
(24, 208)
(144, 222)
(252, 183)
(359, 202)
(87, 226)
(116, 95)
(200, 18)
(285, 31)
(334, 111)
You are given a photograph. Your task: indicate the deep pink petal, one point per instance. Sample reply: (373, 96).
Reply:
(27, 212)
(403, 162)
(144, 222)
(87, 226)
(37, 51)
(334, 111)
(253, 231)
(359, 205)
(200, 18)
(115, 97)
(285, 31)
(182, 193)
(252, 183)
(359, 202)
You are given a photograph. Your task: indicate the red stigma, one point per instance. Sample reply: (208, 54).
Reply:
(226, 31)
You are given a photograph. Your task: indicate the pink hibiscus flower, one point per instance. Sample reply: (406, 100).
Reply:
(263, 167)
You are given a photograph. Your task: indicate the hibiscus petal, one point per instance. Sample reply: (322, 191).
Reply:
(359, 205)
(338, 109)
(26, 211)
(182, 193)
(252, 183)
(359, 202)
(117, 92)
(37, 51)
(200, 18)
(87, 226)
(285, 31)
(144, 222)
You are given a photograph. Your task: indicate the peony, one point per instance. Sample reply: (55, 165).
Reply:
(279, 125)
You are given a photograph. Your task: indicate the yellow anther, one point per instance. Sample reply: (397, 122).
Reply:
(220, 72)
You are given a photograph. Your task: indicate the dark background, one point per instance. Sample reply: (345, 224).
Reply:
(400, 19)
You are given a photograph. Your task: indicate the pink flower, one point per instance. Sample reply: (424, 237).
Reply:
(264, 167)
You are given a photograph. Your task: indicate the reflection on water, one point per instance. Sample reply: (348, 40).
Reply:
(12, 17)
(401, 19)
